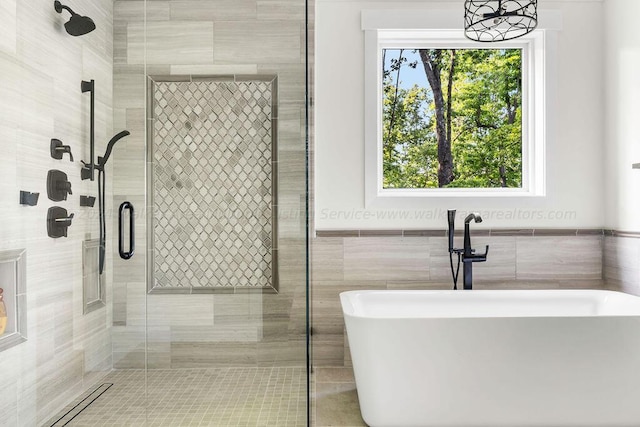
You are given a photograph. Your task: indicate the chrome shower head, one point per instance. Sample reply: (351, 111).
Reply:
(77, 25)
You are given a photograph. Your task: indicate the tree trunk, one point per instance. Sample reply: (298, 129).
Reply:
(395, 97)
(503, 176)
(431, 59)
(452, 66)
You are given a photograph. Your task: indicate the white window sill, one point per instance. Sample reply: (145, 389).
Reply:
(455, 192)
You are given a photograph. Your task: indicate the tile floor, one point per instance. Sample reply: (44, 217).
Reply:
(274, 396)
(335, 400)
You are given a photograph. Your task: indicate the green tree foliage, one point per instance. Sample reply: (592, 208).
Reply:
(486, 121)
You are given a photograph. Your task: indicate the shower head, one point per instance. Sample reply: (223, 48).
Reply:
(77, 25)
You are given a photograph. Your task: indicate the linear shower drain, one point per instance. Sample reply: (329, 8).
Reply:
(81, 406)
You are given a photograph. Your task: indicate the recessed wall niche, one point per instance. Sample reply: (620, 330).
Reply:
(13, 313)
(93, 290)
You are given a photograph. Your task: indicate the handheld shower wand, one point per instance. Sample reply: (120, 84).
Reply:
(88, 169)
(102, 161)
(100, 166)
(451, 218)
(455, 272)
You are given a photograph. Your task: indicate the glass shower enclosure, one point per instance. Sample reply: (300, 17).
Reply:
(200, 316)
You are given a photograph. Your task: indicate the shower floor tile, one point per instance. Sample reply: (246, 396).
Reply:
(199, 397)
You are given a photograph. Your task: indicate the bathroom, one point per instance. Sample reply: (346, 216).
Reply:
(193, 283)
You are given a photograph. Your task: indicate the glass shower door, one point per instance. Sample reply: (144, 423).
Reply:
(210, 313)
(205, 322)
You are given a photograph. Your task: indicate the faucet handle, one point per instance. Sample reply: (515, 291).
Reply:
(474, 257)
(58, 149)
(58, 221)
(482, 257)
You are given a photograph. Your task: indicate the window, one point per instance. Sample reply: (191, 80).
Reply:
(449, 117)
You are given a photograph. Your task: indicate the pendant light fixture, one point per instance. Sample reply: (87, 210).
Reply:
(499, 20)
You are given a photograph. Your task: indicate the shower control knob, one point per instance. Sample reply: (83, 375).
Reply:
(58, 185)
(58, 221)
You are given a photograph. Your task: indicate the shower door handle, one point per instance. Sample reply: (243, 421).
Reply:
(126, 206)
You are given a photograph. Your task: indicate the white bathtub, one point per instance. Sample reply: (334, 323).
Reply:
(495, 358)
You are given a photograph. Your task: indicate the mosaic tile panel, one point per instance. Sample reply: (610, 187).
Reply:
(212, 184)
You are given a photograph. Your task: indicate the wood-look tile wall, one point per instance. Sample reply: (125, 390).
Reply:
(622, 263)
(41, 67)
(514, 262)
(211, 37)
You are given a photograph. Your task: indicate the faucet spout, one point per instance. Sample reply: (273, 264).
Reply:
(474, 216)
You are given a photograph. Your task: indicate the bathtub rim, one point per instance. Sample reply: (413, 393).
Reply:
(348, 309)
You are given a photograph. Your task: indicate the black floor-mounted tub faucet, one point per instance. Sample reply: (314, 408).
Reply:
(466, 255)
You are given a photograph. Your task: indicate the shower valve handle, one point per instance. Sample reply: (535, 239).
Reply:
(58, 149)
(65, 186)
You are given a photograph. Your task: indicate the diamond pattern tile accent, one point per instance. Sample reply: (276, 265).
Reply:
(212, 185)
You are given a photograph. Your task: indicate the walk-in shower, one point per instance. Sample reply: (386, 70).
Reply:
(207, 323)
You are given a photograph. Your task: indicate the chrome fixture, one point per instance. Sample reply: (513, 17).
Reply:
(77, 25)
(466, 255)
(499, 20)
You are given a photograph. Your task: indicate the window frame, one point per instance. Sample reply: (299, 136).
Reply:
(533, 111)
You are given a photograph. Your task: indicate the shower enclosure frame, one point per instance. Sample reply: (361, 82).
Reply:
(271, 79)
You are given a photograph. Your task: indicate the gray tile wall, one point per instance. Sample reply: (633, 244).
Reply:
(514, 262)
(622, 263)
(40, 98)
(212, 37)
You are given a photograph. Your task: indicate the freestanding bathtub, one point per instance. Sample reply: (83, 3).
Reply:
(495, 358)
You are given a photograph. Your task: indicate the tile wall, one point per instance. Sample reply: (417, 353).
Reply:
(420, 260)
(212, 37)
(622, 262)
(41, 67)
(212, 185)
